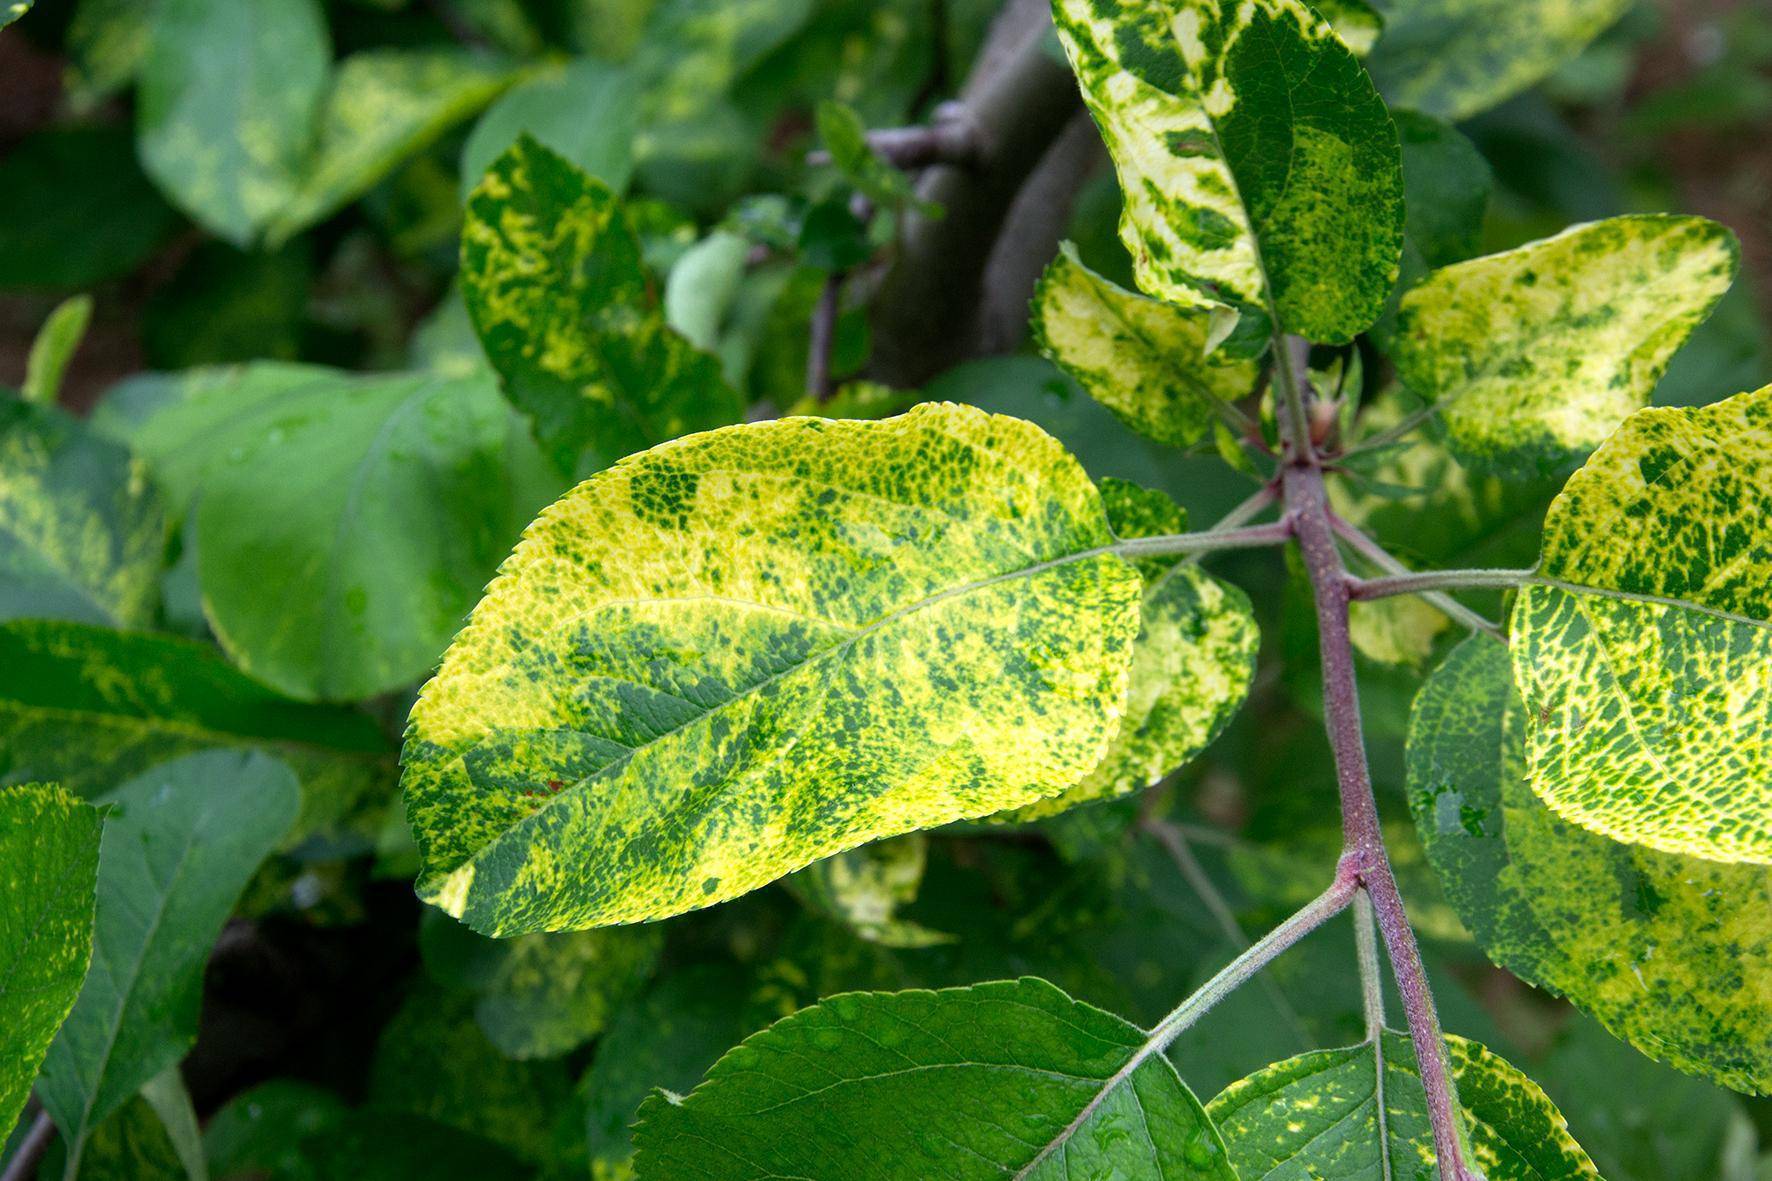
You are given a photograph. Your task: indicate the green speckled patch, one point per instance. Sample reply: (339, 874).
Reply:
(734, 654)
(864, 888)
(965, 1084)
(1538, 353)
(48, 874)
(1143, 359)
(554, 280)
(1258, 164)
(1317, 1117)
(383, 107)
(81, 532)
(1191, 668)
(1646, 664)
(1455, 58)
(1671, 953)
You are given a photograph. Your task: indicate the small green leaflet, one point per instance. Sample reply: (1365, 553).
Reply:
(1669, 952)
(1456, 58)
(1259, 165)
(48, 874)
(863, 888)
(1537, 354)
(54, 348)
(968, 1084)
(1149, 362)
(90, 708)
(845, 137)
(179, 844)
(1645, 655)
(923, 610)
(555, 282)
(1191, 667)
(540, 996)
(81, 532)
(1318, 1116)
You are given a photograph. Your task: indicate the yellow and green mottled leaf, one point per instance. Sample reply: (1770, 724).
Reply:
(383, 107)
(1259, 166)
(730, 656)
(89, 708)
(863, 889)
(1668, 951)
(1535, 355)
(1645, 653)
(1396, 631)
(1359, 1114)
(226, 108)
(48, 874)
(1012, 1079)
(1145, 360)
(81, 532)
(1455, 58)
(1191, 667)
(554, 280)
(54, 348)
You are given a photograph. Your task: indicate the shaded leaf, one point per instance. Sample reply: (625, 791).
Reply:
(90, 708)
(48, 874)
(1318, 1115)
(967, 1084)
(1145, 360)
(266, 1132)
(1259, 165)
(1667, 951)
(1457, 57)
(394, 1146)
(588, 111)
(179, 844)
(81, 531)
(1645, 660)
(554, 280)
(922, 609)
(863, 888)
(1537, 354)
(227, 104)
(167, 1096)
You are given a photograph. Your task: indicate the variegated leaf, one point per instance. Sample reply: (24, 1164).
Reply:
(1191, 667)
(1668, 951)
(1145, 360)
(1644, 652)
(1359, 1114)
(723, 659)
(1456, 58)
(863, 889)
(1536, 354)
(554, 280)
(1259, 165)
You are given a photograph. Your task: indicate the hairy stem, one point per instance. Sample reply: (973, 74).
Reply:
(1234, 975)
(1249, 537)
(1435, 580)
(1307, 504)
(1369, 549)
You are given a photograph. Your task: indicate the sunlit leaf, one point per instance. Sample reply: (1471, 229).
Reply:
(179, 844)
(1259, 165)
(553, 277)
(1645, 660)
(81, 531)
(1458, 57)
(48, 870)
(1145, 360)
(1537, 354)
(1360, 1113)
(968, 1083)
(922, 610)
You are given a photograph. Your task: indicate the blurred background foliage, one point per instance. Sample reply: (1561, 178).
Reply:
(338, 1027)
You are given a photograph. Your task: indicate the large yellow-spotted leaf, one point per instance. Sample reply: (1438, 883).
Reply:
(729, 656)
(1260, 167)
(1191, 668)
(1535, 355)
(1644, 652)
(1145, 360)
